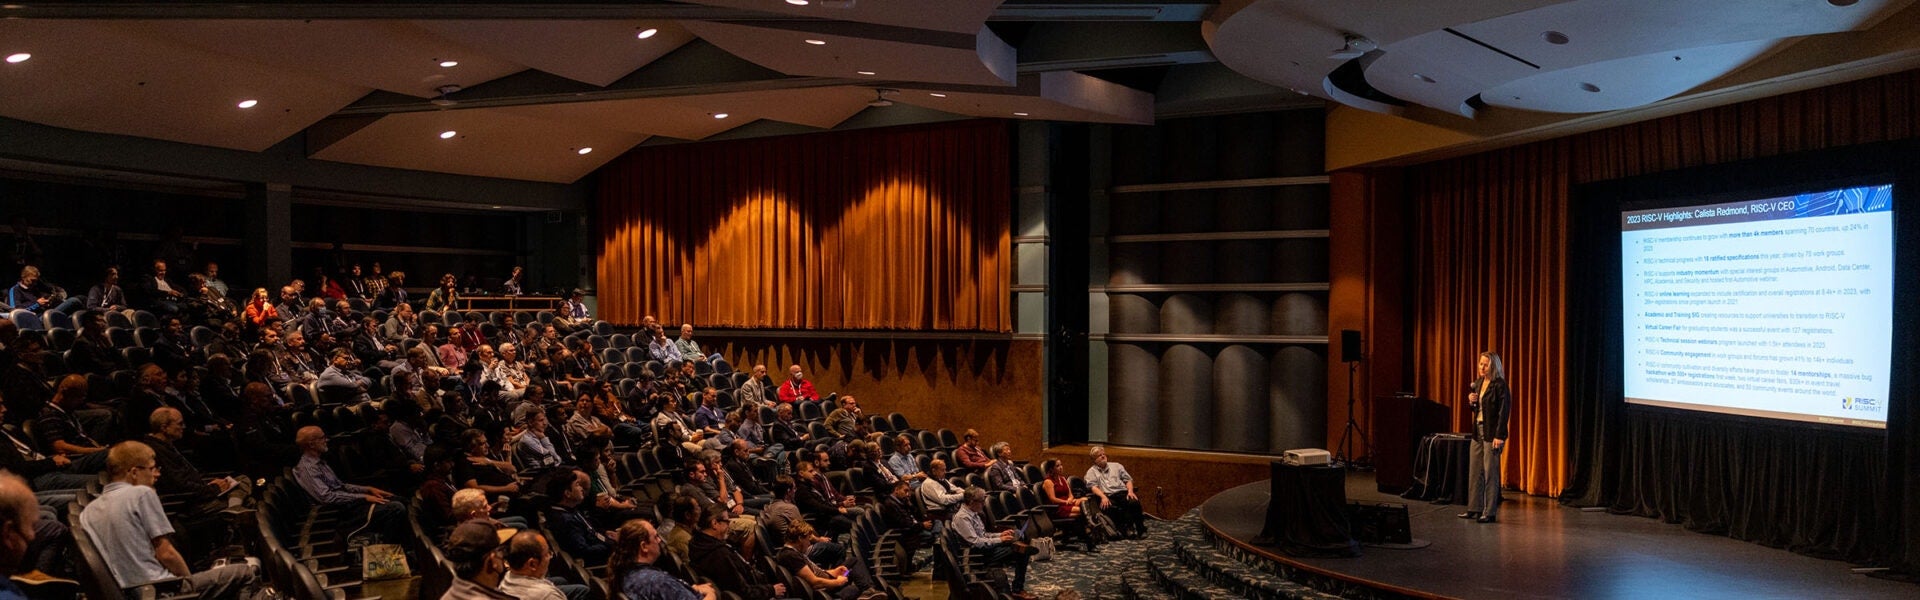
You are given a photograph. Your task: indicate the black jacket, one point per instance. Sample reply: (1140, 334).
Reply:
(1495, 408)
(715, 560)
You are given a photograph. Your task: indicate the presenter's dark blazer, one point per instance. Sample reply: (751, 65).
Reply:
(1495, 406)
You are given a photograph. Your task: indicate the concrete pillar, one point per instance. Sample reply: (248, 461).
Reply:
(269, 239)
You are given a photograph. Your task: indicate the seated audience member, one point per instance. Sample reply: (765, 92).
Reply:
(663, 350)
(316, 477)
(445, 297)
(758, 389)
(300, 360)
(820, 502)
(24, 381)
(754, 433)
(513, 285)
(784, 431)
(999, 549)
(48, 473)
(93, 352)
(328, 286)
(60, 428)
(212, 275)
(712, 557)
(401, 325)
(533, 448)
(453, 355)
(506, 370)
(721, 486)
(900, 512)
(867, 457)
(481, 470)
(528, 558)
(393, 292)
(969, 454)
(436, 493)
(843, 420)
(1003, 475)
(259, 309)
(902, 461)
(371, 348)
(107, 295)
(797, 387)
(30, 293)
(572, 314)
(179, 476)
(131, 532)
(1113, 485)
(1055, 490)
(709, 418)
(175, 351)
(568, 520)
(583, 425)
(689, 349)
(32, 542)
(938, 497)
(477, 566)
(609, 506)
(342, 379)
(739, 465)
(670, 427)
(354, 285)
(634, 573)
(156, 293)
(471, 505)
(837, 582)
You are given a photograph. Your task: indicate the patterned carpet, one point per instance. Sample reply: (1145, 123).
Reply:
(1097, 575)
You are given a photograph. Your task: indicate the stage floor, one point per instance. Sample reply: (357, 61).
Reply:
(1542, 550)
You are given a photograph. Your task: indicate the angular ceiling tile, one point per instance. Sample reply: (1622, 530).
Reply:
(487, 142)
(595, 52)
(395, 56)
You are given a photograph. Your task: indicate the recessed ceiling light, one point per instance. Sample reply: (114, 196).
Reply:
(249, 103)
(498, 207)
(864, 72)
(936, 94)
(797, 2)
(1554, 37)
(719, 115)
(817, 42)
(1423, 78)
(18, 57)
(646, 33)
(1590, 87)
(1019, 114)
(448, 134)
(448, 64)
(584, 150)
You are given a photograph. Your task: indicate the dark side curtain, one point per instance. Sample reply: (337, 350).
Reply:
(897, 228)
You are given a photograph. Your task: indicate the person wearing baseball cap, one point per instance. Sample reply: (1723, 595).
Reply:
(477, 564)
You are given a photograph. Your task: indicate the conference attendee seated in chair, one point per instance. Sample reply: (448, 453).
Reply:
(61, 432)
(31, 543)
(797, 387)
(1055, 490)
(758, 389)
(567, 518)
(528, 558)
(689, 349)
(1004, 548)
(838, 582)
(471, 505)
(131, 533)
(324, 487)
(844, 420)
(55, 472)
(532, 448)
(1003, 475)
(1113, 485)
(634, 573)
(938, 497)
(393, 293)
(207, 496)
(712, 557)
(342, 381)
(107, 295)
(30, 293)
(156, 293)
(477, 567)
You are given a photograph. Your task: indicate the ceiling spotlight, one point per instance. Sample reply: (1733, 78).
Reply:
(1354, 46)
(646, 33)
(448, 134)
(1554, 37)
(936, 94)
(584, 150)
(18, 58)
(1019, 114)
(797, 2)
(864, 72)
(1590, 87)
(719, 115)
(249, 103)
(1423, 78)
(448, 64)
(817, 42)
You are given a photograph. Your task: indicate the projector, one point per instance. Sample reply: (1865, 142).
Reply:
(1306, 457)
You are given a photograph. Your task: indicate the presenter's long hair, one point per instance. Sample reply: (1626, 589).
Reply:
(1496, 368)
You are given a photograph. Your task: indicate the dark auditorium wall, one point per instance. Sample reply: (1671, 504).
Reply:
(989, 383)
(1216, 291)
(81, 216)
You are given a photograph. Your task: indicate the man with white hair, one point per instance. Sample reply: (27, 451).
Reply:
(507, 370)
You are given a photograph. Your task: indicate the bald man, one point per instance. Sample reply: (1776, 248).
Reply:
(32, 540)
(797, 387)
(316, 477)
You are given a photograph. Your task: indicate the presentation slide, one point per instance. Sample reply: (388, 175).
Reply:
(1778, 308)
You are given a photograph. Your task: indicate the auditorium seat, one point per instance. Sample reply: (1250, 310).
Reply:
(25, 319)
(56, 318)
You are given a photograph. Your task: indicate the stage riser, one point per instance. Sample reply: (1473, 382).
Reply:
(1330, 587)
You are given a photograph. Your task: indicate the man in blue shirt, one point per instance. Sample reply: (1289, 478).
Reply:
(998, 548)
(903, 463)
(130, 531)
(316, 477)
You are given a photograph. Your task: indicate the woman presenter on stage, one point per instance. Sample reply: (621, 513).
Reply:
(1490, 401)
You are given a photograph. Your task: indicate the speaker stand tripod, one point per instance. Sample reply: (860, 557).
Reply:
(1345, 458)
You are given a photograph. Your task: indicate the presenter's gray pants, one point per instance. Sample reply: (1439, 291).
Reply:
(1483, 478)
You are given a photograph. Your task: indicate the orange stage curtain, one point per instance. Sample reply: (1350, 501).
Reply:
(898, 228)
(1491, 240)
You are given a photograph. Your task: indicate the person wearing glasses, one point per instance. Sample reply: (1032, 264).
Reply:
(132, 535)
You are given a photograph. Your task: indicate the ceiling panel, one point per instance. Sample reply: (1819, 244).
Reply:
(488, 142)
(981, 59)
(103, 77)
(692, 117)
(595, 52)
(1055, 96)
(396, 56)
(956, 16)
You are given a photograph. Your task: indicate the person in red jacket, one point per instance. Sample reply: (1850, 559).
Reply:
(797, 387)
